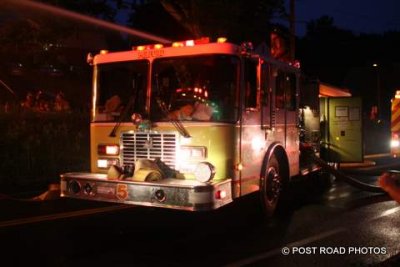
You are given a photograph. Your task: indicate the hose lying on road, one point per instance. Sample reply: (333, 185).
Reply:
(339, 175)
(52, 193)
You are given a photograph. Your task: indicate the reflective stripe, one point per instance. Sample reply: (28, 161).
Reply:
(395, 119)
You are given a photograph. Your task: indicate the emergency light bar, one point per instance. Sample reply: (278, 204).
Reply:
(186, 43)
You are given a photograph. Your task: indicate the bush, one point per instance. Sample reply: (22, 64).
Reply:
(36, 147)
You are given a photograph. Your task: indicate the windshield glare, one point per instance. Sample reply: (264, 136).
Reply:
(121, 90)
(200, 88)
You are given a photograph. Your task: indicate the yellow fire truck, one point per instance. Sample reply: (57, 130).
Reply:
(395, 125)
(193, 125)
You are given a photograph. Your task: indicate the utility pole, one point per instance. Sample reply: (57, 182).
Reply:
(378, 90)
(292, 28)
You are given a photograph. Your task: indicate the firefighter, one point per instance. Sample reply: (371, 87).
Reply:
(390, 182)
(60, 103)
(29, 101)
(113, 104)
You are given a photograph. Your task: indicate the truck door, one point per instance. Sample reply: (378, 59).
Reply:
(284, 114)
(252, 136)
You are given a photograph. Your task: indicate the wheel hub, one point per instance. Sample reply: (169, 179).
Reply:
(273, 185)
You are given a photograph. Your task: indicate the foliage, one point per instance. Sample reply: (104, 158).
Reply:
(238, 20)
(32, 36)
(36, 147)
(342, 58)
(97, 8)
(330, 46)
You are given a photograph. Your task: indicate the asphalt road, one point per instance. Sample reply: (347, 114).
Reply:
(342, 226)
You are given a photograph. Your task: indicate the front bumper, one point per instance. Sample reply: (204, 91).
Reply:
(166, 193)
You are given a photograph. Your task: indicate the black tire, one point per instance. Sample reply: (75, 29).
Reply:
(272, 182)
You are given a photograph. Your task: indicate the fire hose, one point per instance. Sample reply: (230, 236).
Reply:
(340, 175)
(53, 192)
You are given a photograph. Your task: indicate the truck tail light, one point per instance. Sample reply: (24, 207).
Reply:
(108, 150)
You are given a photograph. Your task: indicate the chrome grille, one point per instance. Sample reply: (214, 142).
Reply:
(148, 146)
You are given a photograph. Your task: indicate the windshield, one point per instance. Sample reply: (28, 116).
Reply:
(121, 90)
(199, 88)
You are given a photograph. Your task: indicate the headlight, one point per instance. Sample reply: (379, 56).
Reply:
(109, 150)
(394, 143)
(204, 172)
(106, 163)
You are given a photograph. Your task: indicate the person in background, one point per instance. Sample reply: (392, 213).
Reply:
(41, 102)
(29, 101)
(60, 103)
(7, 107)
(390, 182)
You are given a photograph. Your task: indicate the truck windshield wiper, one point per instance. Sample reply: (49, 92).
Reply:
(128, 107)
(176, 122)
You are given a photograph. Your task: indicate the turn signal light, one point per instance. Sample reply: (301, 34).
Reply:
(221, 40)
(177, 44)
(109, 150)
(220, 194)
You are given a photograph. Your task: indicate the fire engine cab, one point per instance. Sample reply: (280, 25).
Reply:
(193, 125)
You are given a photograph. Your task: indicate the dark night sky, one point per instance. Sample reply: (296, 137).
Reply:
(359, 16)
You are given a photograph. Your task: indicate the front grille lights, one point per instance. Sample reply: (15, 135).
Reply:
(193, 152)
(108, 150)
(106, 163)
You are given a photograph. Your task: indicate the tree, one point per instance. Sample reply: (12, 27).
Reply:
(326, 51)
(238, 20)
(27, 32)
(35, 41)
(340, 57)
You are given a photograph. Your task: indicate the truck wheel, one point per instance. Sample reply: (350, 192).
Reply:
(271, 186)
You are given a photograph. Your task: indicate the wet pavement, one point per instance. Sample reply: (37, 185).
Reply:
(336, 226)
